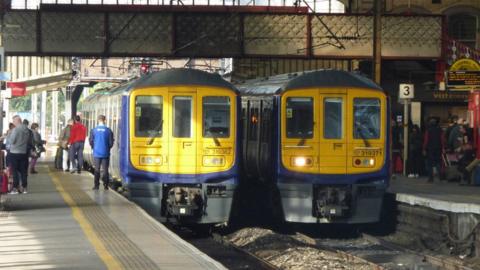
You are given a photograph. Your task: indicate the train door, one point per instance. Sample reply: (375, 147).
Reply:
(182, 146)
(333, 145)
(299, 135)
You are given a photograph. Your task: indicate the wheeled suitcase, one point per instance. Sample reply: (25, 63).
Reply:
(59, 158)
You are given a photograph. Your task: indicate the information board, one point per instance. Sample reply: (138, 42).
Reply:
(463, 80)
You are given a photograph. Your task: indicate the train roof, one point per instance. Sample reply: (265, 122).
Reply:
(182, 76)
(309, 79)
(168, 77)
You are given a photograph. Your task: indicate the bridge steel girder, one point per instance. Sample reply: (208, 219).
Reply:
(212, 32)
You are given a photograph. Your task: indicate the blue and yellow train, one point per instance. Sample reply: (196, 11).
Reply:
(319, 140)
(176, 148)
(185, 138)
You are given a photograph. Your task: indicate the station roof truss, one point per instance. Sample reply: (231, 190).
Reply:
(215, 32)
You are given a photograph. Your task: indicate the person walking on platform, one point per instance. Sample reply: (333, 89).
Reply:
(433, 147)
(78, 133)
(63, 143)
(101, 141)
(414, 152)
(19, 141)
(37, 147)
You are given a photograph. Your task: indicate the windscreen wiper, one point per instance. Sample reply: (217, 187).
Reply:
(362, 136)
(154, 134)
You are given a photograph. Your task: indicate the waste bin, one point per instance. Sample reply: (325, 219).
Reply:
(476, 176)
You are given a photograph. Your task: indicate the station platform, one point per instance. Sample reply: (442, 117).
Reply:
(439, 195)
(62, 224)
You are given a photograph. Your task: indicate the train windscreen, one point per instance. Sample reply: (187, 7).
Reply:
(216, 117)
(148, 116)
(366, 118)
(182, 117)
(299, 114)
(333, 118)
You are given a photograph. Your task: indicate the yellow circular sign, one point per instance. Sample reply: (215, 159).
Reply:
(465, 64)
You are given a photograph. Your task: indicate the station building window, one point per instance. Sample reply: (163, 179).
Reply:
(463, 27)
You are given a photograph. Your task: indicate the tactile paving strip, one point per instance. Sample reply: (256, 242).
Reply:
(116, 242)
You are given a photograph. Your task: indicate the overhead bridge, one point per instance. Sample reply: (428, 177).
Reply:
(214, 31)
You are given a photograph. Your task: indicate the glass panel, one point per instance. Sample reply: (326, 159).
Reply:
(299, 114)
(216, 117)
(366, 118)
(148, 116)
(182, 117)
(333, 118)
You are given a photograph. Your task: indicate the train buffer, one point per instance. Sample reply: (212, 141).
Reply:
(61, 223)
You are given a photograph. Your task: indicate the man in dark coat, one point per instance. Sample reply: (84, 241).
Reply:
(433, 147)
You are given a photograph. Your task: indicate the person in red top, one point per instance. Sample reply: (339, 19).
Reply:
(78, 133)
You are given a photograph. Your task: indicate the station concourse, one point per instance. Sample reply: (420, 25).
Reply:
(61, 223)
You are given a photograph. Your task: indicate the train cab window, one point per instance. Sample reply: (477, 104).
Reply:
(366, 118)
(148, 116)
(333, 118)
(182, 117)
(299, 114)
(216, 117)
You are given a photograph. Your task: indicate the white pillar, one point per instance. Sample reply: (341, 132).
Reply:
(34, 108)
(8, 117)
(68, 105)
(43, 116)
(54, 130)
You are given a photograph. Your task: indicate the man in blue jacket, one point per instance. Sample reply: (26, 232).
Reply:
(101, 141)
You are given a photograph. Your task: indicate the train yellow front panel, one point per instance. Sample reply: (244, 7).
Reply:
(300, 144)
(367, 118)
(148, 132)
(333, 130)
(217, 115)
(198, 129)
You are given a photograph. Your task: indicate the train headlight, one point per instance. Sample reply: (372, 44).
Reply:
(364, 162)
(151, 160)
(302, 161)
(213, 161)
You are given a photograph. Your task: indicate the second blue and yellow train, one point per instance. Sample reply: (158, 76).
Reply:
(186, 138)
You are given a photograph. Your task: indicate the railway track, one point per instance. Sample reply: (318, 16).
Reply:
(367, 251)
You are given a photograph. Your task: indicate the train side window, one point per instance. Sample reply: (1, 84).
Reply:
(333, 118)
(182, 117)
(148, 116)
(366, 118)
(299, 114)
(216, 117)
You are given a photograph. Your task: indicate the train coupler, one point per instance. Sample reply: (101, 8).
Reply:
(184, 201)
(332, 201)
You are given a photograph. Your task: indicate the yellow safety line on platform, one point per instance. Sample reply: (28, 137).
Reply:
(87, 228)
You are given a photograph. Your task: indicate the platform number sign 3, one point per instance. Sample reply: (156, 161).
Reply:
(406, 91)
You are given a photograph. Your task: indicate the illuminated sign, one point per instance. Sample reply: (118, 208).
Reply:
(464, 79)
(463, 75)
